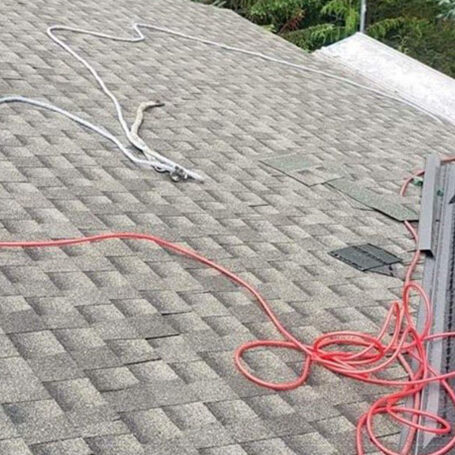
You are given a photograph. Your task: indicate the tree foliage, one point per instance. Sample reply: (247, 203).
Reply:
(448, 9)
(424, 29)
(314, 36)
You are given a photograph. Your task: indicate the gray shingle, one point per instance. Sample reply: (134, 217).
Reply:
(155, 372)
(69, 446)
(268, 447)
(169, 393)
(151, 425)
(18, 382)
(270, 406)
(13, 303)
(37, 344)
(174, 349)
(231, 449)
(167, 301)
(75, 394)
(231, 411)
(249, 430)
(14, 447)
(135, 307)
(132, 351)
(112, 378)
(312, 443)
(91, 359)
(7, 348)
(212, 390)
(179, 445)
(57, 312)
(79, 339)
(210, 435)
(289, 424)
(117, 329)
(101, 313)
(192, 372)
(132, 399)
(94, 422)
(7, 429)
(115, 445)
(39, 421)
(55, 367)
(22, 321)
(152, 326)
(193, 415)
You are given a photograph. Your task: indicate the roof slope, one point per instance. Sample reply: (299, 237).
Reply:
(122, 349)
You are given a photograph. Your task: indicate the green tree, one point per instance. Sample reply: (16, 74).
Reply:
(417, 28)
(284, 15)
(337, 20)
(448, 9)
(424, 29)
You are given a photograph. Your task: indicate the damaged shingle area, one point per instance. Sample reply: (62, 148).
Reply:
(305, 170)
(367, 258)
(390, 206)
(121, 348)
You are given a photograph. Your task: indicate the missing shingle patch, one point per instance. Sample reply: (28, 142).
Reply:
(367, 258)
(289, 163)
(390, 206)
(304, 169)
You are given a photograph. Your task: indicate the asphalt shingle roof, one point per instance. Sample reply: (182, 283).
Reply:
(120, 348)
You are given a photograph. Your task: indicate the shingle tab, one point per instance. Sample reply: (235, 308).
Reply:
(39, 421)
(18, 382)
(69, 446)
(115, 445)
(151, 425)
(7, 428)
(14, 447)
(55, 367)
(37, 344)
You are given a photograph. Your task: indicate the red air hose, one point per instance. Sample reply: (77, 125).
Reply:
(370, 354)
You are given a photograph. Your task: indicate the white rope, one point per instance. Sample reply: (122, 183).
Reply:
(287, 63)
(154, 159)
(103, 132)
(134, 130)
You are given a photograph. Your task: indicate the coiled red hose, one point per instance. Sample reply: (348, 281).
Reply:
(370, 354)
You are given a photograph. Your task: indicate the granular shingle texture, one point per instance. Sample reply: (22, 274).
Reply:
(121, 348)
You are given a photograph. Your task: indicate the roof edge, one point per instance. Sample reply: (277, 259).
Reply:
(396, 72)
